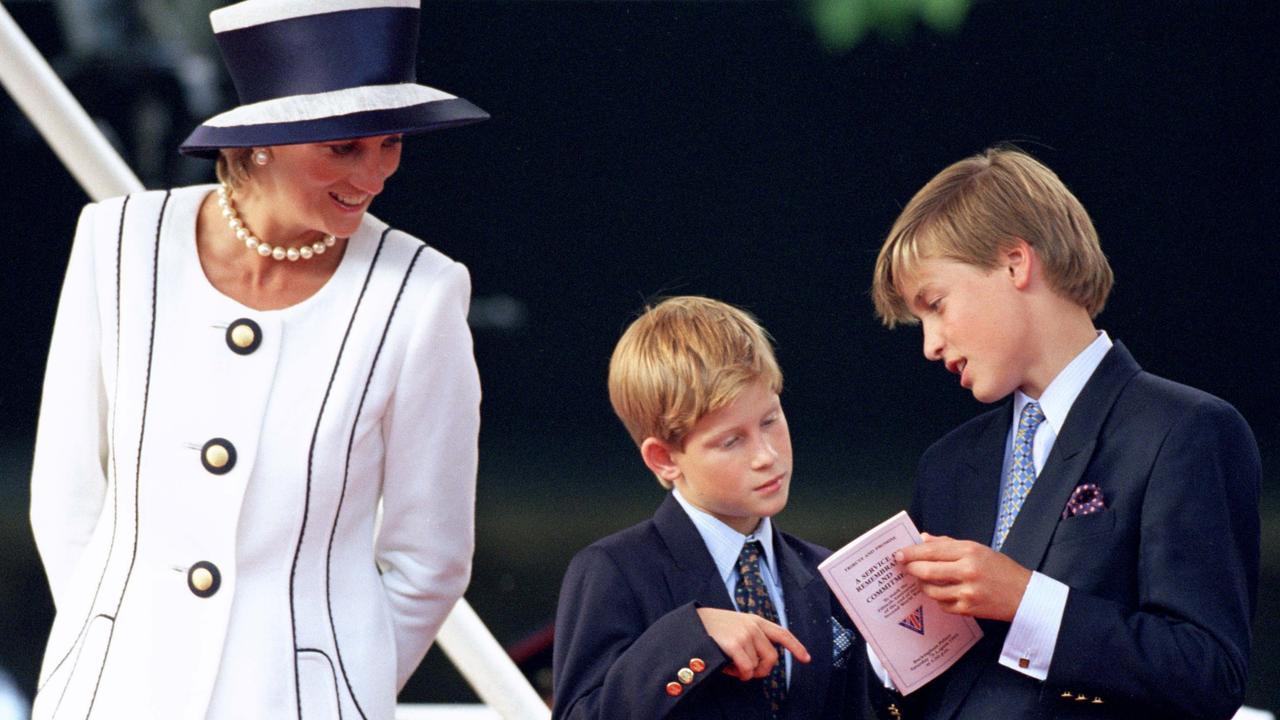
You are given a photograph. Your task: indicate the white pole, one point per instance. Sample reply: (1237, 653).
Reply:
(103, 174)
(489, 669)
(64, 124)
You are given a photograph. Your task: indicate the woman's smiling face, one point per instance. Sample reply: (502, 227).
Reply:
(328, 186)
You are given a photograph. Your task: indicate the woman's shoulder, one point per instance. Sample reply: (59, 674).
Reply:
(144, 202)
(426, 261)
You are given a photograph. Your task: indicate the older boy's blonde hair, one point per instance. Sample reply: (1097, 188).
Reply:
(682, 359)
(976, 208)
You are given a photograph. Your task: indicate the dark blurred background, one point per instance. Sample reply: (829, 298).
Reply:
(755, 152)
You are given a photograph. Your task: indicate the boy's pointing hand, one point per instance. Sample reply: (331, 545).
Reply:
(965, 577)
(748, 641)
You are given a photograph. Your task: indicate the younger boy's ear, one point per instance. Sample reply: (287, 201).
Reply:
(657, 457)
(1019, 260)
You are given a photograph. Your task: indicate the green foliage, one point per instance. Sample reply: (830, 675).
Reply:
(842, 24)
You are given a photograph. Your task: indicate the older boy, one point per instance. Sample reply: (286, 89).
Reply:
(706, 610)
(1103, 522)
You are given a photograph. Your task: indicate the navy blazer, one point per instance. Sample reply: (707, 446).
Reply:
(627, 623)
(1163, 581)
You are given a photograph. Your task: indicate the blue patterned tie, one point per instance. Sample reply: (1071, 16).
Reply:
(1022, 471)
(751, 596)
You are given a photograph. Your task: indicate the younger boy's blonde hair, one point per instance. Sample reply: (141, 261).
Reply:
(682, 359)
(976, 208)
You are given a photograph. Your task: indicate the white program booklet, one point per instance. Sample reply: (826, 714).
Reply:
(915, 640)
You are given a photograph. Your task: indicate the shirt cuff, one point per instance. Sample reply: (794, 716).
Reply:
(878, 668)
(1028, 648)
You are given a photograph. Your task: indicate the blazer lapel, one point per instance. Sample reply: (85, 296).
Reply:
(692, 574)
(976, 514)
(808, 606)
(978, 496)
(1029, 538)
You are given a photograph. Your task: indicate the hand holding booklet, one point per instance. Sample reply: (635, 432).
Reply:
(911, 635)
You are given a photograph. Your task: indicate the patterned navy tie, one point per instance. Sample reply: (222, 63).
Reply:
(1022, 472)
(752, 596)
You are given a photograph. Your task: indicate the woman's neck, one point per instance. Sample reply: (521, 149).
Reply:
(262, 283)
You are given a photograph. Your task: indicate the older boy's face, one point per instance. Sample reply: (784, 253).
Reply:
(974, 322)
(736, 461)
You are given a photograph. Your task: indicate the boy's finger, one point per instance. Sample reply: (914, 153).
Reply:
(766, 656)
(936, 549)
(779, 635)
(933, 572)
(744, 662)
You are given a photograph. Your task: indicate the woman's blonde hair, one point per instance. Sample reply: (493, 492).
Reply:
(682, 359)
(980, 206)
(232, 166)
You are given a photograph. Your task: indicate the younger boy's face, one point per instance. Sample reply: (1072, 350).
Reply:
(974, 321)
(736, 461)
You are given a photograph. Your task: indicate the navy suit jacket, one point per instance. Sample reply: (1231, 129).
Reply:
(627, 622)
(1162, 582)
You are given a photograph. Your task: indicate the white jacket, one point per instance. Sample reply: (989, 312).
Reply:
(248, 580)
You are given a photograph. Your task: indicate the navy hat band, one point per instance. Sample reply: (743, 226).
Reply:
(207, 140)
(325, 52)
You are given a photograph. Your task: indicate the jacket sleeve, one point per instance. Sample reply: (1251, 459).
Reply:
(1183, 649)
(430, 431)
(68, 472)
(609, 661)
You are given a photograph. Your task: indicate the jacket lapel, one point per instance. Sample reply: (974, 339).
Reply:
(692, 574)
(1029, 538)
(977, 495)
(976, 514)
(808, 606)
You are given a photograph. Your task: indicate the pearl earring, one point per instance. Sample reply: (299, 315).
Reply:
(262, 157)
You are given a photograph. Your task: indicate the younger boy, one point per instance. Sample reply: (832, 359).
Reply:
(706, 610)
(1133, 499)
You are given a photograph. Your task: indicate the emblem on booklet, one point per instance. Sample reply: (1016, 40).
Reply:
(914, 621)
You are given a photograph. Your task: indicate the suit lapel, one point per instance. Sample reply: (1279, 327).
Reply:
(1029, 538)
(977, 497)
(976, 514)
(808, 606)
(692, 574)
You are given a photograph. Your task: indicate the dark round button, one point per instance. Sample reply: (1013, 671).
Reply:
(243, 336)
(203, 579)
(218, 456)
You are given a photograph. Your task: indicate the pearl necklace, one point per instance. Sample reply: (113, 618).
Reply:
(251, 241)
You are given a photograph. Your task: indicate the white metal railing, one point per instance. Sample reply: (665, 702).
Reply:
(103, 173)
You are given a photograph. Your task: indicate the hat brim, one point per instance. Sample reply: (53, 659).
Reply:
(207, 140)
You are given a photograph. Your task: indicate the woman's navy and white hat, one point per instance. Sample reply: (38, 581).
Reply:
(316, 70)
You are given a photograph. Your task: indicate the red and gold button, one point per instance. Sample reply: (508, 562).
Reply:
(697, 665)
(674, 688)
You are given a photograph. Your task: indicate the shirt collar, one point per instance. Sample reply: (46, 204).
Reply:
(1061, 394)
(724, 543)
